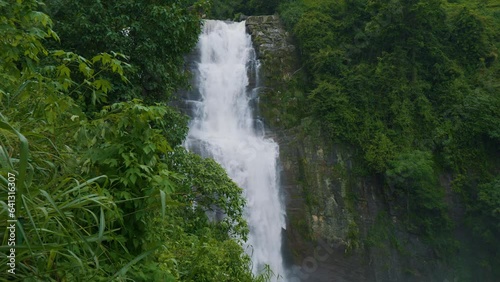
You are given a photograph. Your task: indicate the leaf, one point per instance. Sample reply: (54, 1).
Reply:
(63, 71)
(24, 150)
(102, 84)
(59, 53)
(126, 268)
(50, 260)
(85, 69)
(101, 225)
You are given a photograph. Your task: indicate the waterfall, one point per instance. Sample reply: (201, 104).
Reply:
(223, 127)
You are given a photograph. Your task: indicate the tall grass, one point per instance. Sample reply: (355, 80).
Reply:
(64, 223)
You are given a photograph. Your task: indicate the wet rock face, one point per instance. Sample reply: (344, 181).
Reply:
(269, 36)
(323, 227)
(272, 43)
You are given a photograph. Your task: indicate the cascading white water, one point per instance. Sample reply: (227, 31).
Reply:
(223, 128)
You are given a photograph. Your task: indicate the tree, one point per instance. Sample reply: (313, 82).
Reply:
(155, 35)
(413, 179)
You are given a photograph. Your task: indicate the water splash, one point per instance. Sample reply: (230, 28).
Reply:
(223, 127)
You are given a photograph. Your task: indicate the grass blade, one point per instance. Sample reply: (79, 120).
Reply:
(23, 161)
(126, 268)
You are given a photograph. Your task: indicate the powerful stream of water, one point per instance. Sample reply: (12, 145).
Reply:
(223, 127)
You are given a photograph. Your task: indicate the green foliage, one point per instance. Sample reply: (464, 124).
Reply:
(205, 184)
(383, 235)
(154, 35)
(126, 141)
(199, 257)
(104, 191)
(232, 10)
(290, 12)
(417, 192)
(223, 10)
(474, 46)
(413, 87)
(482, 219)
(381, 150)
(488, 209)
(261, 7)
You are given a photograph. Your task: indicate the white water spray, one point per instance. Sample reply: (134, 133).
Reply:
(223, 128)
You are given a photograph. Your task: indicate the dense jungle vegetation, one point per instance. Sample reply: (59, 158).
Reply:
(414, 88)
(105, 191)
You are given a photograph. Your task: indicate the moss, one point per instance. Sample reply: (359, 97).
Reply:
(382, 233)
(353, 238)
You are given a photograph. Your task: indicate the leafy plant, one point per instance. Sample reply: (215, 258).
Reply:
(103, 189)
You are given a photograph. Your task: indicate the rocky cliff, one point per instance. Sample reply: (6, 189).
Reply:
(340, 225)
